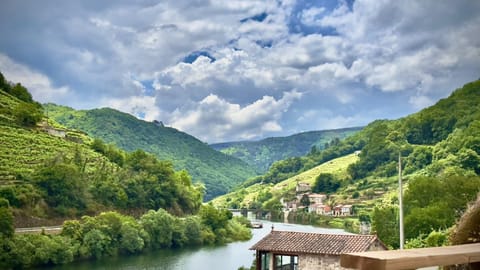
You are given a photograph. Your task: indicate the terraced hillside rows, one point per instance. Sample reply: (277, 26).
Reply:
(7, 102)
(22, 150)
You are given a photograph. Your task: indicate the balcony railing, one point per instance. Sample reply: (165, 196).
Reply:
(413, 258)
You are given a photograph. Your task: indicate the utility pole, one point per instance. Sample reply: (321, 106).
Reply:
(400, 199)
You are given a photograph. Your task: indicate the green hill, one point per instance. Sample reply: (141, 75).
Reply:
(440, 152)
(255, 195)
(49, 172)
(262, 154)
(441, 139)
(218, 171)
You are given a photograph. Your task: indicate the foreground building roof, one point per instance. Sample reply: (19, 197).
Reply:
(316, 243)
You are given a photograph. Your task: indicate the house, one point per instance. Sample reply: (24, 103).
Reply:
(291, 206)
(346, 210)
(342, 210)
(303, 188)
(337, 210)
(55, 132)
(312, 208)
(283, 250)
(317, 198)
(320, 209)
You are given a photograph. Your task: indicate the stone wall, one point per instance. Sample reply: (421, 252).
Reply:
(319, 262)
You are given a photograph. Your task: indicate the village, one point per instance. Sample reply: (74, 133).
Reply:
(315, 203)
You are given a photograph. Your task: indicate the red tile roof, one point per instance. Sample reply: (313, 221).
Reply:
(315, 243)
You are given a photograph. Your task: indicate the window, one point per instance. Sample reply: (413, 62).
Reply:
(265, 261)
(286, 262)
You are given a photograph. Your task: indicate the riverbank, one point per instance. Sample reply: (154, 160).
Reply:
(218, 257)
(111, 234)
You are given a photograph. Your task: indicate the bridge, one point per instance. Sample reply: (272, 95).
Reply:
(250, 213)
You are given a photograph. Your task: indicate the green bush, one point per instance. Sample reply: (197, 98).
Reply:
(6, 220)
(27, 114)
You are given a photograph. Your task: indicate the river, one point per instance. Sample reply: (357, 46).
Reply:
(226, 257)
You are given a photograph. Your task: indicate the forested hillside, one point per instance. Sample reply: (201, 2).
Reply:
(48, 171)
(441, 139)
(219, 172)
(440, 152)
(262, 154)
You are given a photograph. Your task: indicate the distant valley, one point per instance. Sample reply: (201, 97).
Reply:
(219, 172)
(77, 162)
(263, 153)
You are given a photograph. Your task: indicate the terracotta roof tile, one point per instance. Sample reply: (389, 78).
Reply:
(315, 243)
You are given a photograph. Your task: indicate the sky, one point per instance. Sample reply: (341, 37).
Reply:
(228, 70)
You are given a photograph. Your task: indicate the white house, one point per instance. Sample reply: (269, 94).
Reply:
(342, 210)
(317, 198)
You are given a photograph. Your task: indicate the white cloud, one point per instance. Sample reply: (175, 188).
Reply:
(141, 106)
(379, 53)
(405, 45)
(420, 102)
(328, 119)
(39, 85)
(216, 119)
(311, 16)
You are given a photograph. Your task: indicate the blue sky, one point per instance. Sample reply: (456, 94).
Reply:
(243, 69)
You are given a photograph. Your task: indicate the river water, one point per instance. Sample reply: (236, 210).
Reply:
(226, 257)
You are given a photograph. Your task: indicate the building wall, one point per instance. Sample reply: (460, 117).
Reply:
(319, 262)
(56, 132)
(376, 246)
(322, 261)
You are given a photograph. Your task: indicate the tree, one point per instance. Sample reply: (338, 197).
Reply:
(433, 203)
(98, 146)
(424, 220)
(385, 224)
(179, 235)
(27, 114)
(273, 205)
(131, 239)
(62, 186)
(326, 182)
(194, 231)
(469, 159)
(305, 201)
(418, 159)
(96, 244)
(4, 84)
(159, 226)
(214, 218)
(6, 220)
(21, 93)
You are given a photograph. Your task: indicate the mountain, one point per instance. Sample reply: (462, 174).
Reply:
(262, 154)
(219, 172)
